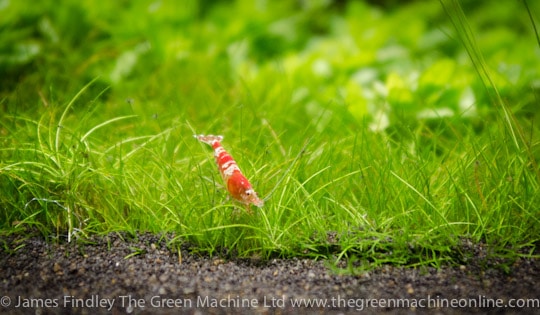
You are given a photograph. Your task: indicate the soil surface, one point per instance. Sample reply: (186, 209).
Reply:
(115, 275)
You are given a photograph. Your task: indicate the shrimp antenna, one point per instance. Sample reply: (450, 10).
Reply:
(298, 156)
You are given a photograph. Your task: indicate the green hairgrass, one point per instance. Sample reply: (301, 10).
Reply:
(369, 197)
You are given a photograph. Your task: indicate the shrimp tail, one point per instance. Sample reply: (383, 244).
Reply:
(209, 139)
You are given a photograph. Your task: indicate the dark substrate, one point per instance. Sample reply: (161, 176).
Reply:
(142, 275)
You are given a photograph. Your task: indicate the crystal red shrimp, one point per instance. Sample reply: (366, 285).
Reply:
(237, 184)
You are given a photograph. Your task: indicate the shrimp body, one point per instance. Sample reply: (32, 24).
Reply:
(237, 184)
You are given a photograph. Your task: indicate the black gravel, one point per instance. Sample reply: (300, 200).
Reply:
(143, 276)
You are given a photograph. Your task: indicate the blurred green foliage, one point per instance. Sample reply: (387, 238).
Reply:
(379, 64)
